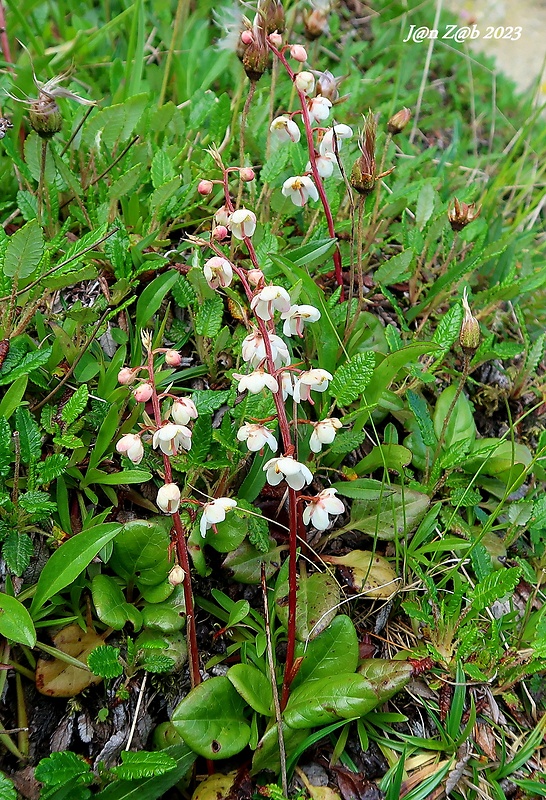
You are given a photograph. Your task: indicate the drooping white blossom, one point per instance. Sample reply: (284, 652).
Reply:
(183, 410)
(285, 129)
(323, 505)
(172, 438)
(319, 108)
(268, 300)
(327, 143)
(168, 498)
(295, 317)
(325, 165)
(131, 445)
(296, 474)
(305, 82)
(313, 379)
(255, 381)
(215, 512)
(324, 432)
(253, 350)
(287, 384)
(300, 188)
(256, 437)
(242, 223)
(218, 272)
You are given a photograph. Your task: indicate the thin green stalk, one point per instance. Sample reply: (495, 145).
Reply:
(22, 717)
(460, 386)
(180, 17)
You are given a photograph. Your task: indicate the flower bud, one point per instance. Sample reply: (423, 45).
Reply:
(222, 216)
(462, 214)
(173, 358)
(298, 53)
(255, 277)
(247, 174)
(126, 376)
(327, 85)
(398, 121)
(275, 39)
(220, 232)
(246, 37)
(256, 55)
(469, 337)
(143, 393)
(168, 498)
(316, 23)
(176, 575)
(45, 116)
(305, 82)
(205, 187)
(271, 13)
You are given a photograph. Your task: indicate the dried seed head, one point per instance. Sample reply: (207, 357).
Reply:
(462, 214)
(398, 121)
(272, 14)
(256, 55)
(363, 174)
(327, 85)
(469, 337)
(45, 116)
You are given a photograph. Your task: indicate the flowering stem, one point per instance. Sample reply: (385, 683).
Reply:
(313, 161)
(180, 541)
(244, 118)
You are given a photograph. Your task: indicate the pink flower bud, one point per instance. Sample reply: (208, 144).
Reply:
(255, 277)
(173, 358)
(246, 37)
(176, 575)
(126, 376)
(143, 392)
(247, 174)
(205, 187)
(298, 52)
(220, 232)
(275, 39)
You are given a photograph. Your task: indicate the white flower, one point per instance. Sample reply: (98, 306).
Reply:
(222, 216)
(299, 188)
(131, 445)
(253, 350)
(315, 379)
(215, 512)
(325, 165)
(242, 223)
(168, 498)
(317, 511)
(296, 316)
(319, 108)
(324, 433)
(305, 82)
(327, 144)
(268, 299)
(285, 129)
(218, 272)
(183, 410)
(171, 438)
(297, 475)
(255, 381)
(256, 437)
(287, 386)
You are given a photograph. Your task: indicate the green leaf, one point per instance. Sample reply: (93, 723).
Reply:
(162, 169)
(334, 651)
(244, 564)
(208, 320)
(362, 489)
(29, 435)
(151, 298)
(51, 467)
(12, 398)
(29, 363)
(317, 599)
(111, 606)
(396, 269)
(449, 327)
(183, 292)
(126, 476)
(5, 447)
(341, 696)
(229, 533)
(104, 661)
(17, 551)
(141, 554)
(421, 413)
(275, 164)
(425, 205)
(61, 767)
(75, 405)
(156, 787)
(207, 400)
(37, 503)
(461, 426)
(494, 586)
(15, 621)
(161, 196)
(387, 456)
(351, 379)
(70, 559)
(211, 719)
(347, 442)
(144, 764)
(253, 686)
(396, 514)
(24, 251)
(7, 789)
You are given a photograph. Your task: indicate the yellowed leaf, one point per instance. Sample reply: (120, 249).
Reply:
(215, 787)
(56, 678)
(366, 572)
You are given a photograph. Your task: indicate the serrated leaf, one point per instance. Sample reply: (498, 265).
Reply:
(29, 363)
(104, 661)
(275, 164)
(449, 327)
(157, 663)
(208, 319)
(183, 292)
(51, 467)
(201, 439)
(30, 440)
(68, 440)
(396, 269)
(75, 405)
(494, 587)
(161, 196)
(24, 251)
(347, 442)
(151, 298)
(60, 767)
(422, 414)
(425, 205)
(143, 764)
(352, 378)
(162, 169)
(7, 789)
(152, 788)
(37, 503)
(207, 400)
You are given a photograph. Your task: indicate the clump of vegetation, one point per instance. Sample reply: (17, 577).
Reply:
(271, 482)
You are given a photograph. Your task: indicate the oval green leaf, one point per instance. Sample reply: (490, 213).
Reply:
(333, 652)
(253, 687)
(15, 621)
(342, 696)
(317, 599)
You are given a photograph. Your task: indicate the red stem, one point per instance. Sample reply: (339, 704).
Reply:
(313, 161)
(181, 546)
